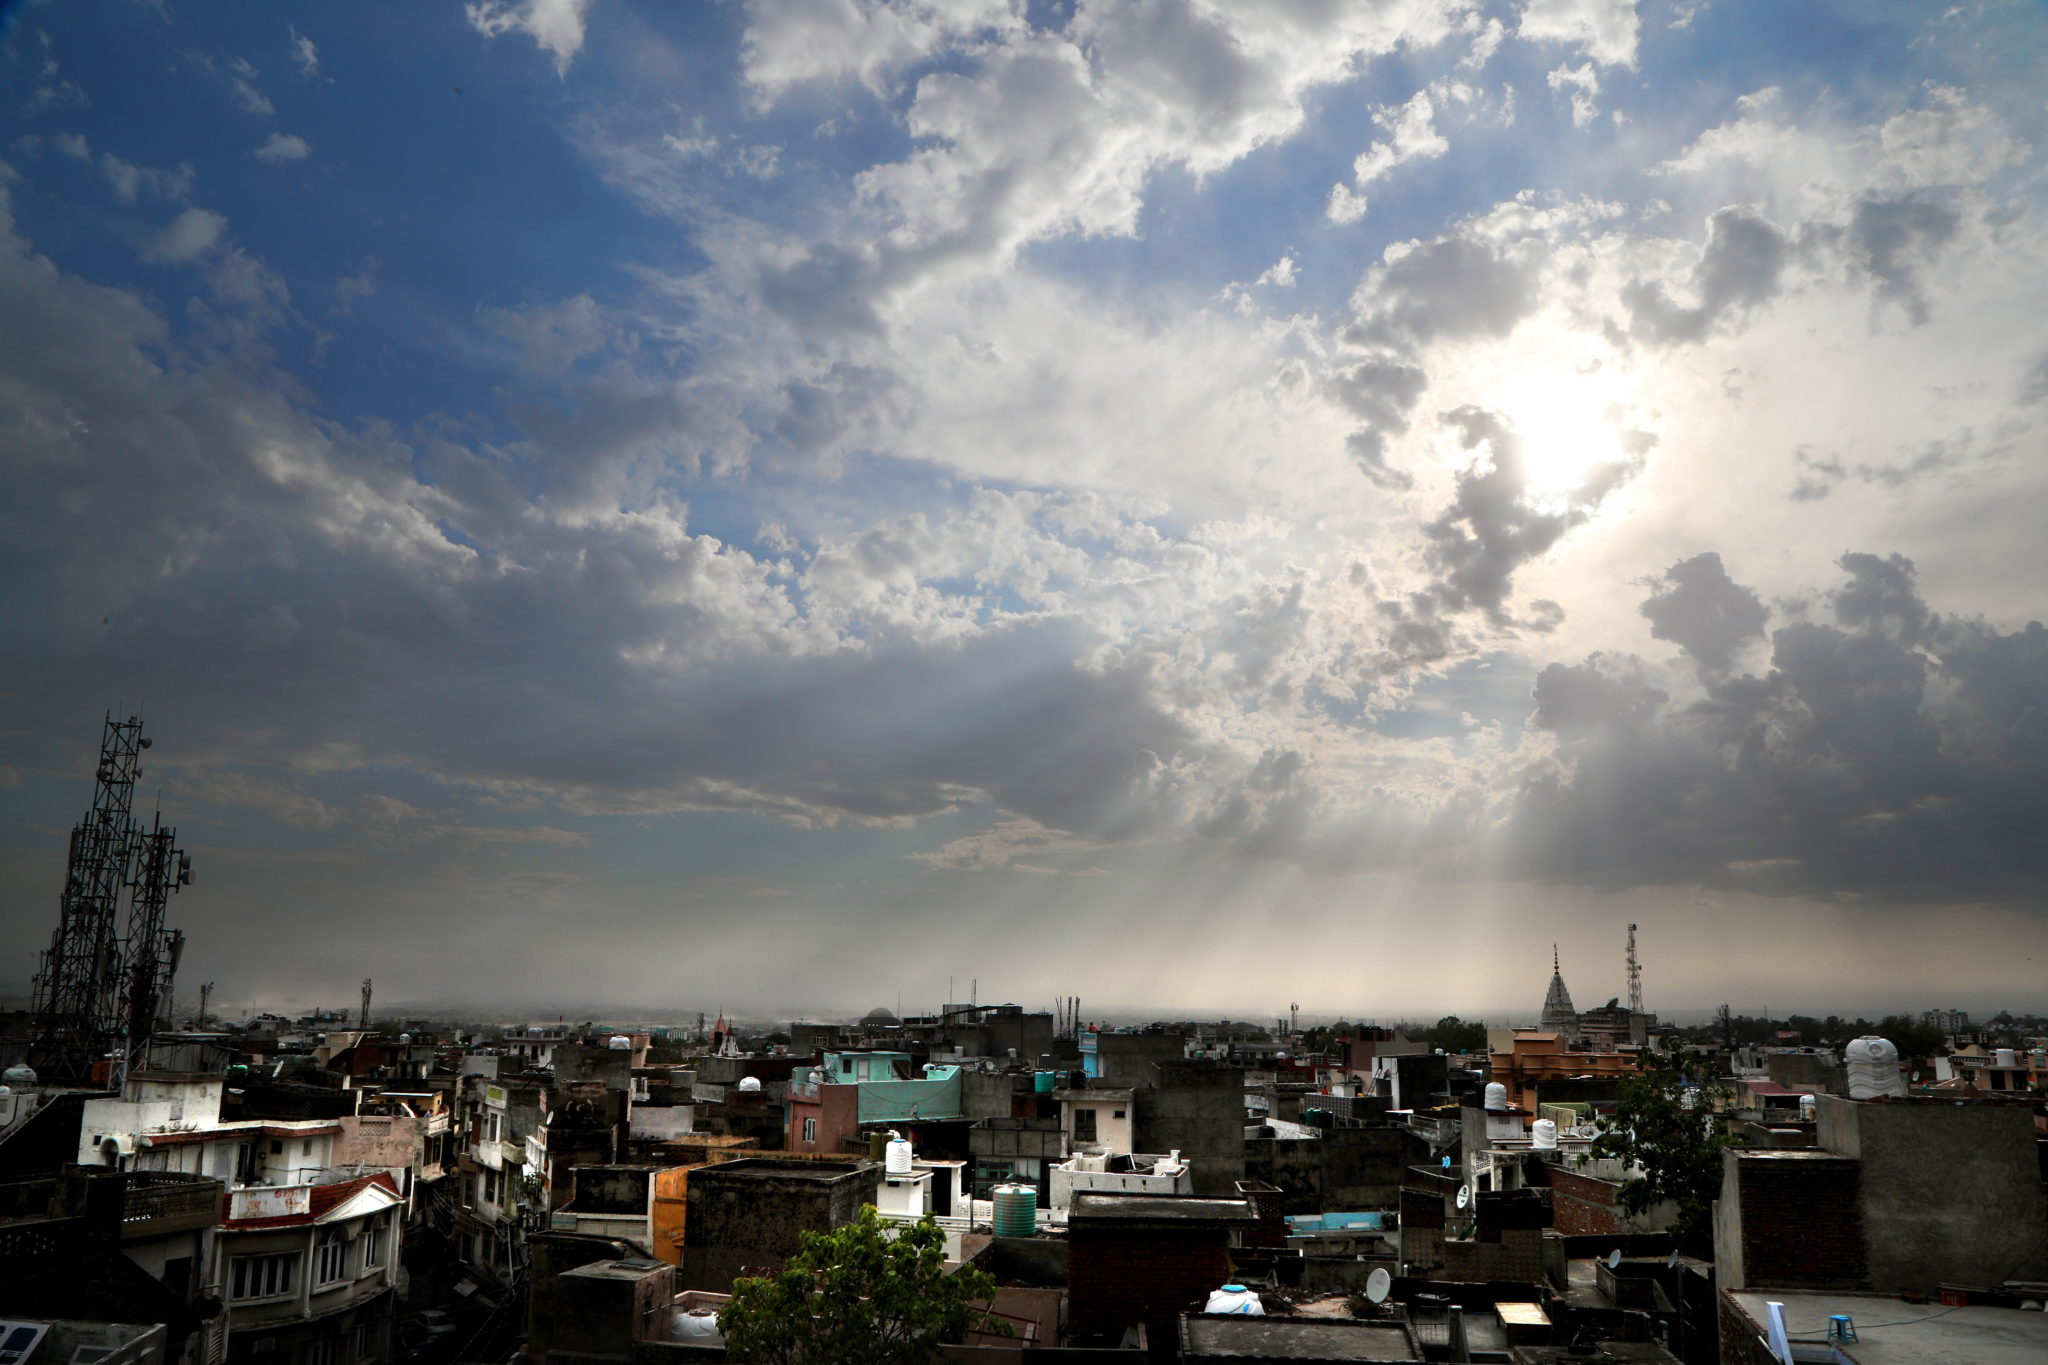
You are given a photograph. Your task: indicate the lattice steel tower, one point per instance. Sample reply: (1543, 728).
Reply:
(99, 989)
(1635, 975)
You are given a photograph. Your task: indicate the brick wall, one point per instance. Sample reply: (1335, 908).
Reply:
(1802, 1225)
(1117, 1278)
(1580, 1204)
(1742, 1340)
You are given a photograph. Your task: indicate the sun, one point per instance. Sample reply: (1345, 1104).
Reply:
(1570, 429)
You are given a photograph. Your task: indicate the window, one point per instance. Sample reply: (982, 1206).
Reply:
(1117, 1113)
(306, 1147)
(373, 1244)
(494, 1126)
(810, 1130)
(322, 1351)
(366, 1341)
(260, 1277)
(1084, 1125)
(277, 1149)
(330, 1257)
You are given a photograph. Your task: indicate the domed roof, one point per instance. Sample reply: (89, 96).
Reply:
(879, 1015)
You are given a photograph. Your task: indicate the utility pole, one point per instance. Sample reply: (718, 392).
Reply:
(363, 1020)
(205, 996)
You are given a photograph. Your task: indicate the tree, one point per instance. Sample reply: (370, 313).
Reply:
(1453, 1034)
(856, 1296)
(1664, 1124)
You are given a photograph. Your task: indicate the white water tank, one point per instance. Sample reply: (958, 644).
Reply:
(1235, 1298)
(1496, 1095)
(1873, 1065)
(698, 1327)
(619, 1042)
(1808, 1107)
(750, 1085)
(2008, 1057)
(19, 1076)
(1543, 1135)
(896, 1154)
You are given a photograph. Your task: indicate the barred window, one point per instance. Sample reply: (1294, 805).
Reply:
(260, 1277)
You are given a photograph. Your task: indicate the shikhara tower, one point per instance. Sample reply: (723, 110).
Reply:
(1558, 1014)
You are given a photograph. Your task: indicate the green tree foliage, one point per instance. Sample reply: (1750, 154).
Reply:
(857, 1296)
(1914, 1040)
(1664, 1123)
(1453, 1034)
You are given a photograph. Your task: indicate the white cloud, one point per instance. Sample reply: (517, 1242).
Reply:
(1605, 30)
(556, 26)
(305, 54)
(1583, 81)
(1344, 206)
(189, 236)
(1414, 138)
(1280, 274)
(283, 147)
(242, 77)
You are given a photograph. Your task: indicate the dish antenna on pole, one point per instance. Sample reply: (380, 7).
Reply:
(1378, 1285)
(1614, 1259)
(1464, 1196)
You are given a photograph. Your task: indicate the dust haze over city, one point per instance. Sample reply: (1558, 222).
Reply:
(786, 509)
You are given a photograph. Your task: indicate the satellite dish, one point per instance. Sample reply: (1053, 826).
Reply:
(1464, 1195)
(1614, 1259)
(1378, 1285)
(1671, 1261)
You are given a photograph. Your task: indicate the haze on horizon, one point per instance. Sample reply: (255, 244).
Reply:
(1167, 501)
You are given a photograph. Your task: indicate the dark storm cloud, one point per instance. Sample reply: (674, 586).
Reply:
(1891, 756)
(296, 596)
(1449, 288)
(1701, 610)
(1739, 269)
(1893, 239)
(1493, 526)
(1382, 391)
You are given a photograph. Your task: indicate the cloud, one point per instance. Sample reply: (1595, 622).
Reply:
(1700, 609)
(556, 26)
(1413, 138)
(305, 55)
(283, 147)
(1450, 288)
(1893, 239)
(242, 77)
(1855, 768)
(1583, 81)
(1739, 269)
(1605, 30)
(189, 236)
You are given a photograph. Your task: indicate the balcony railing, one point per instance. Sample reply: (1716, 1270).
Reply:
(159, 1203)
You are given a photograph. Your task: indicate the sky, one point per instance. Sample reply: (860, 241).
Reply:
(1194, 504)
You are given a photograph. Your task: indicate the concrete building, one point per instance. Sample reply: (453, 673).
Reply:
(749, 1212)
(1118, 1173)
(1137, 1259)
(1896, 1195)
(309, 1269)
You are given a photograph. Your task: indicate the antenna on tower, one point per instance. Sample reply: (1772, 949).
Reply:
(1635, 975)
(205, 997)
(363, 1021)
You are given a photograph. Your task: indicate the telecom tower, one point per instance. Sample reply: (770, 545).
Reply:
(99, 989)
(1635, 975)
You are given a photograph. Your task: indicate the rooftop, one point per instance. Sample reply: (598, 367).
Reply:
(1182, 1210)
(1230, 1337)
(1892, 1332)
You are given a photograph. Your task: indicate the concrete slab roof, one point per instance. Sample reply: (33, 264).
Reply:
(1284, 1338)
(1892, 1332)
(1180, 1210)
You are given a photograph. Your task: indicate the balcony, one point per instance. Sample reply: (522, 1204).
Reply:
(160, 1203)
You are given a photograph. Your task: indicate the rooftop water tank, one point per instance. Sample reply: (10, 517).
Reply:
(1543, 1135)
(1496, 1095)
(1016, 1213)
(698, 1327)
(2007, 1057)
(404, 1037)
(19, 1076)
(750, 1085)
(1044, 1082)
(1808, 1106)
(619, 1042)
(1873, 1065)
(896, 1155)
(1235, 1298)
